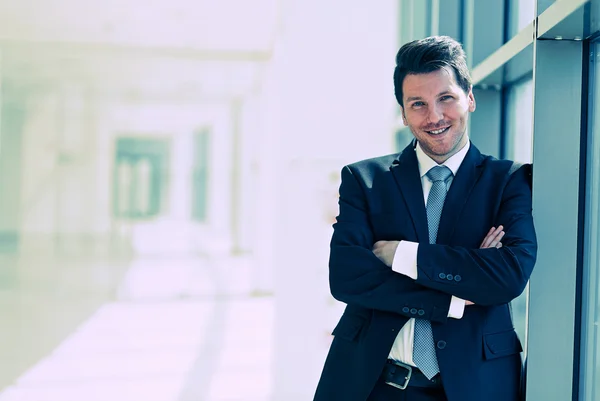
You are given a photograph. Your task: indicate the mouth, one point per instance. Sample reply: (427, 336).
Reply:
(439, 131)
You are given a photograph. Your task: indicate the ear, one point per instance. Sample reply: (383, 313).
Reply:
(471, 99)
(403, 116)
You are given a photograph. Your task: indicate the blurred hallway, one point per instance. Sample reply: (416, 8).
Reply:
(168, 181)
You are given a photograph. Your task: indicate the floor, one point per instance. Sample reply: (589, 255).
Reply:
(155, 329)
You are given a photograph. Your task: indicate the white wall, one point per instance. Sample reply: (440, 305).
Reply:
(333, 70)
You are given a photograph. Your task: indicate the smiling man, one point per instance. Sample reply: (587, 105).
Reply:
(429, 248)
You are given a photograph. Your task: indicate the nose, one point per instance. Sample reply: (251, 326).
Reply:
(435, 113)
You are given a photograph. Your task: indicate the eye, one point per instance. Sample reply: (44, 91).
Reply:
(417, 105)
(446, 97)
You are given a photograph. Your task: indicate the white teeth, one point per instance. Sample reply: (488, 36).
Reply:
(439, 131)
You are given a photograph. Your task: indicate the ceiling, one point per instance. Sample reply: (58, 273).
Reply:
(199, 50)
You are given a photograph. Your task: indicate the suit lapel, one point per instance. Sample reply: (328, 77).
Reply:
(405, 170)
(466, 177)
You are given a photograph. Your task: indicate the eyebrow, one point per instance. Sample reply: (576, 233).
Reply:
(446, 92)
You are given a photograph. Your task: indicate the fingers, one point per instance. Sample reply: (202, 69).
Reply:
(379, 244)
(496, 240)
(493, 238)
(487, 239)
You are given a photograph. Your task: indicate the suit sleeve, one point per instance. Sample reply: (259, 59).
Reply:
(357, 277)
(488, 276)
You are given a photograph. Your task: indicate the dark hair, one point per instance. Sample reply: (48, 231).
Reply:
(431, 54)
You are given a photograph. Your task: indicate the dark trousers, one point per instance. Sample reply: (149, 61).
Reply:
(385, 392)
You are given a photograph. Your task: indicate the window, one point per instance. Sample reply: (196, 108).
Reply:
(200, 175)
(518, 147)
(521, 14)
(140, 166)
(519, 122)
(590, 347)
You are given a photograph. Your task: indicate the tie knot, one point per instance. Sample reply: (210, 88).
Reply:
(439, 173)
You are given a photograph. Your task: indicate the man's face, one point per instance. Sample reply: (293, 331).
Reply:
(436, 110)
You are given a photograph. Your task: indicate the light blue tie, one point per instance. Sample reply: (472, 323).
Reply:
(424, 348)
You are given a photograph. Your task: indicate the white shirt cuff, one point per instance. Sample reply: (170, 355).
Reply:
(405, 259)
(457, 308)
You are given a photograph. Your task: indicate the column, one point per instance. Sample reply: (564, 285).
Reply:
(12, 115)
(333, 104)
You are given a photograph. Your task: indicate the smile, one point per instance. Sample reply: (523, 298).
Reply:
(438, 131)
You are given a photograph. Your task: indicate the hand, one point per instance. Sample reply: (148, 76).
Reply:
(385, 251)
(493, 237)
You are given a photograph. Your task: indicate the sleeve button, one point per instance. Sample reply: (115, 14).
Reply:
(450, 277)
(406, 309)
(413, 311)
(457, 278)
(442, 276)
(421, 312)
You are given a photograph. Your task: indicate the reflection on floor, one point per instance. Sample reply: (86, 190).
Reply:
(174, 330)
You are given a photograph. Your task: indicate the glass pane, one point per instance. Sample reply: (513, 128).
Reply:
(519, 122)
(521, 13)
(543, 5)
(590, 350)
(518, 147)
(415, 20)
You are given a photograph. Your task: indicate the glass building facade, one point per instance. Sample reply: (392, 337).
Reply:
(535, 69)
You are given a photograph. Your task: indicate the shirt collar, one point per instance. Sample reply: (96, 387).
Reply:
(426, 163)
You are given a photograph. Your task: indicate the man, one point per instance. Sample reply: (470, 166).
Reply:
(429, 248)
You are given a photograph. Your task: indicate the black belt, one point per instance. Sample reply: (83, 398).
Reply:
(400, 375)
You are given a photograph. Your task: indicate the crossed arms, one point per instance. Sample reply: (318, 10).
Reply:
(489, 275)
(387, 250)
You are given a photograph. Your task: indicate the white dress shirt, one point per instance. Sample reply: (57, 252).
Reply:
(405, 258)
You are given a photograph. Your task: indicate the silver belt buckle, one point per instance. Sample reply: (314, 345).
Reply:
(406, 380)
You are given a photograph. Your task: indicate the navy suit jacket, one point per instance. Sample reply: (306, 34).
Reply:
(382, 199)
